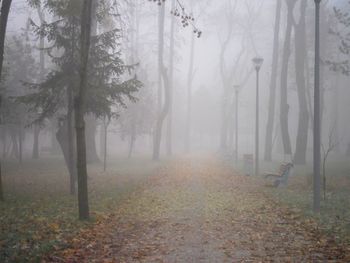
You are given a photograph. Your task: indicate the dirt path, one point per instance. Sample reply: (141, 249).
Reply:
(198, 210)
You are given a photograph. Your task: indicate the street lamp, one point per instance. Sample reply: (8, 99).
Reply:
(317, 118)
(237, 89)
(257, 61)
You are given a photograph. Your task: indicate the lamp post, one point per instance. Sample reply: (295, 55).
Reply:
(236, 87)
(257, 61)
(317, 118)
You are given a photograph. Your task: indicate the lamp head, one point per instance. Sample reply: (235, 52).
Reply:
(258, 61)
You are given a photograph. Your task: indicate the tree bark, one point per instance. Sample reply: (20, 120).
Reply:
(91, 149)
(300, 53)
(190, 77)
(273, 85)
(20, 143)
(63, 140)
(5, 10)
(284, 107)
(15, 147)
(317, 116)
(1, 188)
(132, 140)
(70, 138)
(106, 124)
(163, 75)
(171, 84)
(35, 154)
(80, 101)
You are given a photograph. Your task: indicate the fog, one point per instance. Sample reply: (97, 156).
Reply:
(150, 120)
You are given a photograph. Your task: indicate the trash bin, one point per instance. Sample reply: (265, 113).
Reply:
(248, 164)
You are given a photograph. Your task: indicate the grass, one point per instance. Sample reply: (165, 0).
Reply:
(39, 214)
(334, 218)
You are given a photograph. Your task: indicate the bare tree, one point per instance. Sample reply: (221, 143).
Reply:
(284, 107)
(300, 54)
(227, 75)
(332, 144)
(190, 78)
(171, 83)
(273, 84)
(163, 75)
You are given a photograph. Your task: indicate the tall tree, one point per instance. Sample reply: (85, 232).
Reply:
(341, 34)
(300, 54)
(169, 137)
(284, 107)
(5, 10)
(227, 75)
(190, 77)
(273, 84)
(105, 88)
(163, 76)
(80, 101)
(40, 11)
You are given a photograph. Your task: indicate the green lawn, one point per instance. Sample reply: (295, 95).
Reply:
(39, 214)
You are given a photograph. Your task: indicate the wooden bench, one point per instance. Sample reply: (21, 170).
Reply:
(281, 177)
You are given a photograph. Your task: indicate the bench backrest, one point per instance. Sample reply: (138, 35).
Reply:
(286, 172)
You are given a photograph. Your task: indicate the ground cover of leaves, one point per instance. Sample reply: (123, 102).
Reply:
(39, 215)
(198, 210)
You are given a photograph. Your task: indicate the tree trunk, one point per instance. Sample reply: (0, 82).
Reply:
(163, 75)
(171, 84)
(300, 53)
(190, 77)
(273, 85)
(70, 138)
(90, 120)
(54, 147)
(4, 140)
(1, 188)
(80, 101)
(15, 148)
(63, 140)
(132, 141)
(5, 10)
(284, 107)
(224, 123)
(35, 154)
(91, 149)
(105, 134)
(20, 143)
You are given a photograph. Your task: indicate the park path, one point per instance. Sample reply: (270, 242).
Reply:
(199, 210)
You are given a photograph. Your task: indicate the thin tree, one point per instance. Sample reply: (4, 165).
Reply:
(332, 144)
(40, 11)
(171, 83)
(300, 54)
(190, 77)
(273, 85)
(284, 107)
(317, 116)
(106, 122)
(80, 101)
(5, 10)
(163, 76)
